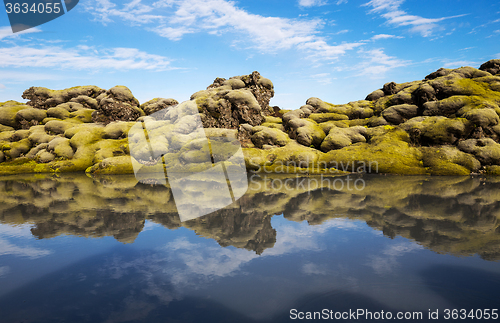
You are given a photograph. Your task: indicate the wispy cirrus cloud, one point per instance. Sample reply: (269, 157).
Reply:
(82, 58)
(391, 11)
(218, 17)
(6, 32)
(376, 63)
(6, 248)
(312, 3)
(384, 36)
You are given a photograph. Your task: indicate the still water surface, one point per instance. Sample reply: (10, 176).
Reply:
(109, 249)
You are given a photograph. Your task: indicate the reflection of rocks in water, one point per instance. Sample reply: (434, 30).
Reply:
(237, 227)
(456, 215)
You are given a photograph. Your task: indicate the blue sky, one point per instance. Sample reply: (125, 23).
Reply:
(337, 50)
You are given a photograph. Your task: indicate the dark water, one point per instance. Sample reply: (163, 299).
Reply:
(109, 249)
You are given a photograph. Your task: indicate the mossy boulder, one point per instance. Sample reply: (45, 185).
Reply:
(486, 150)
(325, 117)
(58, 112)
(30, 117)
(491, 66)
(482, 117)
(58, 126)
(397, 114)
(449, 160)
(8, 112)
(338, 138)
(436, 130)
(375, 95)
(113, 165)
(239, 100)
(117, 104)
(157, 104)
(117, 129)
(389, 151)
(38, 135)
(82, 115)
(268, 136)
(60, 146)
(43, 98)
(306, 131)
(292, 158)
(85, 101)
(18, 148)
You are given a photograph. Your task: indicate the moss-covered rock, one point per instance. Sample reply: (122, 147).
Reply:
(30, 117)
(38, 135)
(118, 104)
(448, 160)
(482, 117)
(58, 126)
(485, 150)
(58, 112)
(43, 98)
(8, 112)
(117, 129)
(157, 104)
(491, 66)
(18, 148)
(389, 151)
(436, 130)
(61, 147)
(397, 114)
(268, 136)
(338, 138)
(306, 132)
(85, 101)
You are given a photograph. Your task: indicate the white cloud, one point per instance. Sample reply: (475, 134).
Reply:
(134, 12)
(81, 58)
(7, 32)
(313, 269)
(322, 78)
(311, 3)
(390, 10)
(384, 36)
(387, 262)
(217, 17)
(377, 63)
(457, 64)
(15, 76)
(9, 249)
(4, 270)
(2, 86)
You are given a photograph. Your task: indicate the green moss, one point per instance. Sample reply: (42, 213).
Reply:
(83, 115)
(292, 158)
(31, 114)
(388, 152)
(324, 117)
(448, 160)
(58, 112)
(269, 136)
(270, 119)
(112, 165)
(8, 114)
(18, 148)
(493, 170)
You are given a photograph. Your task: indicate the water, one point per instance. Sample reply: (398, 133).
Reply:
(75, 248)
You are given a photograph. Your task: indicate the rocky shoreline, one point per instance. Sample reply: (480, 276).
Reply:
(445, 124)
